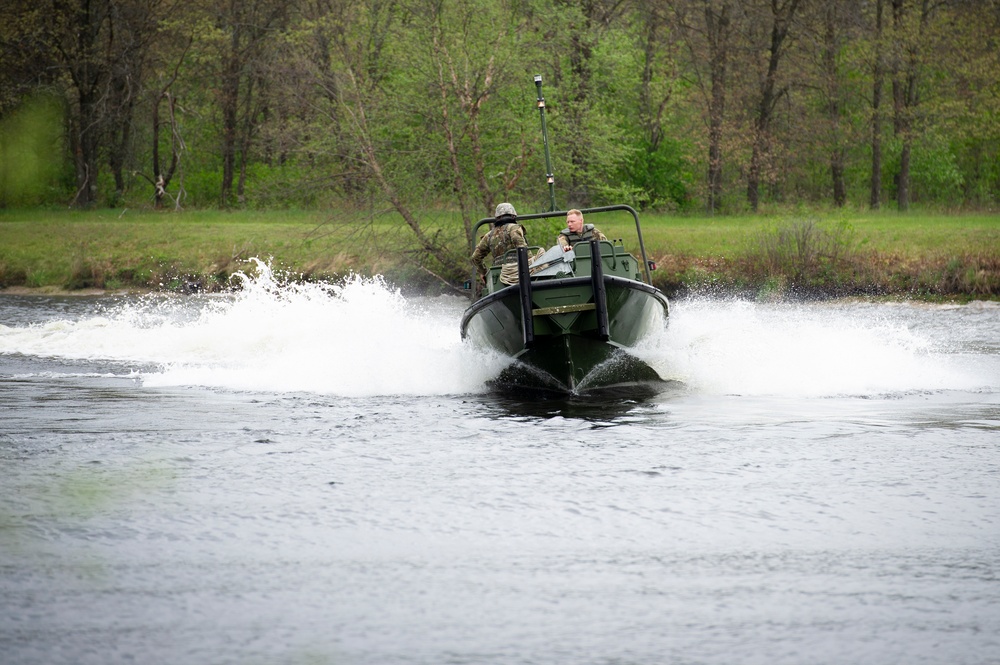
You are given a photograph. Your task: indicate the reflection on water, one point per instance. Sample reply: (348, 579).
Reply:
(606, 403)
(247, 479)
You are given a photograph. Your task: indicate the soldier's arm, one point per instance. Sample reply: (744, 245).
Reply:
(482, 249)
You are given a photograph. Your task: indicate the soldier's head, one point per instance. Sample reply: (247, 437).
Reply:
(505, 214)
(574, 220)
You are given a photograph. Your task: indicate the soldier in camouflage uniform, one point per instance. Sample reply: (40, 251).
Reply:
(576, 231)
(505, 235)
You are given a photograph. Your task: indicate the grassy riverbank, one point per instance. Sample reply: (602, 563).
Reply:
(826, 253)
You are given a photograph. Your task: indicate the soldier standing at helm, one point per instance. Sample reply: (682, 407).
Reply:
(505, 235)
(576, 231)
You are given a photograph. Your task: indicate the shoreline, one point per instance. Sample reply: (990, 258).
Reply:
(62, 292)
(830, 254)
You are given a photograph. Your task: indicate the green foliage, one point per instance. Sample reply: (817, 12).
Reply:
(289, 185)
(979, 165)
(425, 104)
(804, 252)
(201, 188)
(658, 178)
(32, 155)
(934, 169)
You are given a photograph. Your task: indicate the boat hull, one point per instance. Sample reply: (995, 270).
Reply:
(566, 348)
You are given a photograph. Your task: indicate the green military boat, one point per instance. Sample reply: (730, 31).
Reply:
(570, 317)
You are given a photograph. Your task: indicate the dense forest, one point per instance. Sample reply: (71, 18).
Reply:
(707, 105)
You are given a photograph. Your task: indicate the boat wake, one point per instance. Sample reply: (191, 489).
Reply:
(360, 337)
(733, 347)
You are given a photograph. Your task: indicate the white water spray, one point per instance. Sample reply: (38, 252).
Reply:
(361, 338)
(746, 348)
(354, 338)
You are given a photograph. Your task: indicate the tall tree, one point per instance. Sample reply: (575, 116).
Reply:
(244, 31)
(878, 76)
(779, 17)
(133, 26)
(29, 63)
(708, 32)
(909, 30)
(583, 25)
(465, 80)
(657, 173)
(834, 20)
(972, 102)
(162, 177)
(718, 30)
(360, 42)
(77, 32)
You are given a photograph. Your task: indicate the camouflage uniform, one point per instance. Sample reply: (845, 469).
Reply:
(567, 238)
(497, 242)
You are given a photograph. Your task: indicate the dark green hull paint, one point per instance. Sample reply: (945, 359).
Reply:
(567, 355)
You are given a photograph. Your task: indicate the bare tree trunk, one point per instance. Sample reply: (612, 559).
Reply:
(248, 24)
(256, 109)
(583, 39)
(159, 186)
(718, 33)
(580, 54)
(160, 179)
(359, 117)
(79, 49)
(904, 91)
(86, 150)
(457, 183)
(837, 152)
(132, 28)
(230, 88)
(781, 18)
(121, 137)
(900, 112)
(465, 89)
(651, 125)
(875, 200)
(903, 177)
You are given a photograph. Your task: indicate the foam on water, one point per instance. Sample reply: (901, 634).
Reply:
(361, 338)
(355, 338)
(748, 348)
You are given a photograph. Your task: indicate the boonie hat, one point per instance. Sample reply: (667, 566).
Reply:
(505, 210)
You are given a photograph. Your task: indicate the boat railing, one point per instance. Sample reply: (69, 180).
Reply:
(508, 261)
(583, 251)
(586, 211)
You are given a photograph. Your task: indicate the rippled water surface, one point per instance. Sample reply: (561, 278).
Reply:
(318, 474)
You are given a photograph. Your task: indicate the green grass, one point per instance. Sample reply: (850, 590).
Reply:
(912, 236)
(141, 248)
(919, 252)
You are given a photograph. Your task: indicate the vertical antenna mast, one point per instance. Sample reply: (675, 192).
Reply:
(549, 176)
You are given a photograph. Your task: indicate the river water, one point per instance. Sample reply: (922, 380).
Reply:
(320, 474)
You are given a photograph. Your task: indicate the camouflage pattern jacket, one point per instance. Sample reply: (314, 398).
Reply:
(567, 238)
(497, 242)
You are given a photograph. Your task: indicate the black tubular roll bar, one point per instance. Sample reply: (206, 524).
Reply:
(524, 290)
(585, 211)
(600, 295)
(596, 283)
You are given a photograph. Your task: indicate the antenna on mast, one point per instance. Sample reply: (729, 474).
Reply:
(549, 176)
